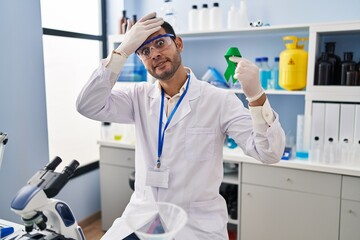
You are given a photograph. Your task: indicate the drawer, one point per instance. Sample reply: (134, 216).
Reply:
(351, 188)
(292, 179)
(117, 156)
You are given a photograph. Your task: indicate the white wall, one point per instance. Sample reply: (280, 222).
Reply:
(23, 111)
(22, 98)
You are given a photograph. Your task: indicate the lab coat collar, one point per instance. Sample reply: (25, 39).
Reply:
(184, 109)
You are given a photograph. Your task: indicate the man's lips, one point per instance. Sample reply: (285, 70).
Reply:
(160, 64)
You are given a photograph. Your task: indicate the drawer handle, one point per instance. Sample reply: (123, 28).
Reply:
(289, 180)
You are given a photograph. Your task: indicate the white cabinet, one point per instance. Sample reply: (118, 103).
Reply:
(350, 209)
(116, 165)
(279, 203)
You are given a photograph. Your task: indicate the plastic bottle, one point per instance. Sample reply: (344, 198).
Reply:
(105, 131)
(324, 71)
(215, 17)
(275, 73)
(193, 19)
(243, 15)
(134, 19)
(122, 22)
(169, 15)
(347, 65)
(232, 21)
(258, 62)
(264, 72)
(334, 78)
(204, 16)
(293, 64)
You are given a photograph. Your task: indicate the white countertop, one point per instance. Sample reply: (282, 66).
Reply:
(237, 156)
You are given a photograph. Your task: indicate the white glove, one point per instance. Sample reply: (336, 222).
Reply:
(137, 34)
(247, 73)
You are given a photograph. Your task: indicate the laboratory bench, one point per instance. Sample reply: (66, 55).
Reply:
(293, 199)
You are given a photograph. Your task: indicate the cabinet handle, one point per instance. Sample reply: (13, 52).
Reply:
(129, 159)
(350, 211)
(289, 180)
(249, 194)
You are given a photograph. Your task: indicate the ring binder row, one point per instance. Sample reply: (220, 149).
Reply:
(335, 133)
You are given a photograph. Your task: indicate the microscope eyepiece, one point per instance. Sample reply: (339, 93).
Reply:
(70, 169)
(53, 164)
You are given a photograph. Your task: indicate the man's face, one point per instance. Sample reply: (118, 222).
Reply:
(161, 62)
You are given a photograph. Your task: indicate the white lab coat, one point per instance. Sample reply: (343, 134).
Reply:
(193, 146)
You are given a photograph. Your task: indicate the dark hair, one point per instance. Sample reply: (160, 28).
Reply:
(168, 29)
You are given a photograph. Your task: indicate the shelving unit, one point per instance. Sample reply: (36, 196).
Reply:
(344, 34)
(317, 35)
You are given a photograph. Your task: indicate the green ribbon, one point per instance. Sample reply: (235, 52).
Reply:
(230, 71)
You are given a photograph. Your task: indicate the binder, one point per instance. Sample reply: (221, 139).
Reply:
(346, 133)
(356, 139)
(332, 119)
(317, 132)
(347, 123)
(331, 133)
(317, 123)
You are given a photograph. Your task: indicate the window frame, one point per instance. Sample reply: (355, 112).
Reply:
(104, 50)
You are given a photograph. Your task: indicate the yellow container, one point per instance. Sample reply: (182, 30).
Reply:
(293, 64)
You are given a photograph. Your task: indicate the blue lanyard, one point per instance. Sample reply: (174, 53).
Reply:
(162, 134)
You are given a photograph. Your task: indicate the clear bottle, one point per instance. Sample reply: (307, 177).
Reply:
(243, 17)
(264, 72)
(258, 62)
(347, 65)
(215, 17)
(275, 73)
(169, 15)
(105, 131)
(204, 16)
(232, 21)
(193, 19)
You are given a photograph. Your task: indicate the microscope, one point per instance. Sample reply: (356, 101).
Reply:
(46, 218)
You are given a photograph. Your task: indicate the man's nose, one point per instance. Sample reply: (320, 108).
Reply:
(154, 52)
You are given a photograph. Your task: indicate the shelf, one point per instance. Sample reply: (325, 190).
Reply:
(253, 31)
(231, 178)
(233, 221)
(334, 93)
(274, 92)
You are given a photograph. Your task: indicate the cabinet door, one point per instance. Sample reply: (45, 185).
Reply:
(115, 192)
(116, 165)
(350, 220)
(271, 214)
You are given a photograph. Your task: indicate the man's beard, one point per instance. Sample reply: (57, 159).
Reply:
(175, 64)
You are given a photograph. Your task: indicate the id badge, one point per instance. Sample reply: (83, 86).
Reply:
(157, 177)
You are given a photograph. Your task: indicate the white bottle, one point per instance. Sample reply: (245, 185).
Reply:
(193, 19)
(232, 19)
(204, 16)
(243, 18)
(215, 17)
(169, 15)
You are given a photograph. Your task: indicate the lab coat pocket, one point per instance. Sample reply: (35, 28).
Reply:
(199, 144)
(209, 216)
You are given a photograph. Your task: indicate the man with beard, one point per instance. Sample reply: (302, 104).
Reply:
(180, 124)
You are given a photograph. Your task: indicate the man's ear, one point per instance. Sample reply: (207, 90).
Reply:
(179, 43)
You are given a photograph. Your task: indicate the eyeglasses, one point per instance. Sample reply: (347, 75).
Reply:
(160, 43)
